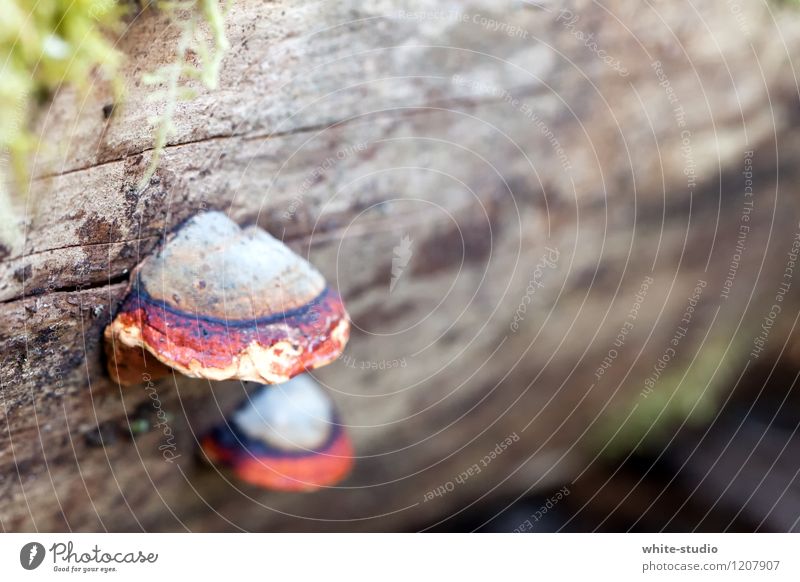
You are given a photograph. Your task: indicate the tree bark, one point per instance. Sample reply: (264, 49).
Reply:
(543, 178)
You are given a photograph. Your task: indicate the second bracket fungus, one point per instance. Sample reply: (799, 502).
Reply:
(285, 438)
(221, 302)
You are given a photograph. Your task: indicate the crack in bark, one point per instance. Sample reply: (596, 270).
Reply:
(406, 111)
(75, 246)
(67, 289)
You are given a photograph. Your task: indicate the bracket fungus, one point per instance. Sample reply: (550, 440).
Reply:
(285, 438)
(222, 302)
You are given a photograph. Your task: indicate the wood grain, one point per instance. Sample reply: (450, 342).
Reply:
(342, 127)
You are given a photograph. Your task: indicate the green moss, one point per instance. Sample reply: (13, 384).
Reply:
(45, 44)
(172, 81)
(679, 395)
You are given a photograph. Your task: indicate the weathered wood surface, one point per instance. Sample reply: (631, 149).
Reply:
(344, 126)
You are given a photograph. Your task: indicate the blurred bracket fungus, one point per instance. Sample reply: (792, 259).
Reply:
(220, 302)
(285, 438)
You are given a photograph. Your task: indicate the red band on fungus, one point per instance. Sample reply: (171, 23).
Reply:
(270, 470)
(287, 343)
(221, 302)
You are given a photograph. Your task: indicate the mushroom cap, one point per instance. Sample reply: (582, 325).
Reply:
(221, 302)
(285, 437)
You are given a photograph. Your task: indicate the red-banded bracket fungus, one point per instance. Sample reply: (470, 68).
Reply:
(221, 302)
(285, 437)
